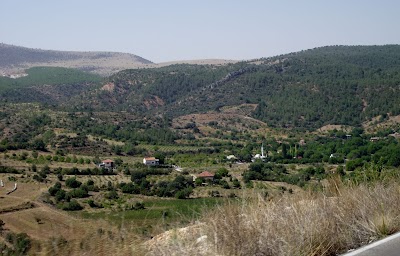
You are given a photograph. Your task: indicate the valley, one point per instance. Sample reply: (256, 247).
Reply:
(219, 138)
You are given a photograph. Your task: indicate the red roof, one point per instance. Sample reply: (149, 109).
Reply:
(108, 161)
(205, 174)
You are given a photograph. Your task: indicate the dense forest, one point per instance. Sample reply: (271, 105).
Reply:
(329, 85)
(50, 85)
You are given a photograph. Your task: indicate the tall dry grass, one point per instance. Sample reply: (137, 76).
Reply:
(308, 223)
(101, 240)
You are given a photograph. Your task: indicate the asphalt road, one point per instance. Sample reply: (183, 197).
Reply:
(389, 246)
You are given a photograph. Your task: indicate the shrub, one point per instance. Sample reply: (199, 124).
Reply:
(184, 193)
(72, 183)
(236, 183)
(214, 193)
(53, 190)
(93, 204)
(111, 195)
(78, 193)
(60, 195)
(73, 205)
(305, 223)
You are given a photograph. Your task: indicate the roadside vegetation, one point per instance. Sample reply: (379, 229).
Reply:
(344, 215)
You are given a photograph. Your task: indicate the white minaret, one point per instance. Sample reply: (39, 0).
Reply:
(262, 150)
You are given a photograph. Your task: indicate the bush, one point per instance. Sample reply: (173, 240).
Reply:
(236, 183)
(137, 206)
(60, 195)
(129, 188)
(224, 184)
(78, 193)
(214, 193)
(73, 183)
(21, 242)
(93, 204)
(53, 190)
(183, 194)
(73, 205)
(111, 195)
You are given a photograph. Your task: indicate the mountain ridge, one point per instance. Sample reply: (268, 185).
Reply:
(15, 59)
(344, 85)
(331, 85)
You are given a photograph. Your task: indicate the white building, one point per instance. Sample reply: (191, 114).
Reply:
(151, 161)
(258, 156)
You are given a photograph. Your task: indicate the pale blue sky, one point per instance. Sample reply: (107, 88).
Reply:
(183, 29)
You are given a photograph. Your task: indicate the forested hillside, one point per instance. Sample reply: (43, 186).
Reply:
(47, 85)
(329, 85)
(344, 85)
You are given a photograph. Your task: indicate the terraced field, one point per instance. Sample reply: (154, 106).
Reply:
(172, 148)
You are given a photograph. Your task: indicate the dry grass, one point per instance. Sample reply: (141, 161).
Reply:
(306, 223)
(56, 232)
(100, 240)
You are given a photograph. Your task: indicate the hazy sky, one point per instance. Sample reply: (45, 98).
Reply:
(167, 30)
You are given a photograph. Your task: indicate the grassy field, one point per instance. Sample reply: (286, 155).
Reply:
(342, 217)
(171, 148)
(159, 214)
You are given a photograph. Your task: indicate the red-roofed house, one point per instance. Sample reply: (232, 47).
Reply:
(205, 175)
(151, 161)
(108, 163)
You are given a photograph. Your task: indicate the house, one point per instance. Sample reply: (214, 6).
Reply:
(395, 135)
(205, 176)
(373, 139)
(108, 163)
(151, 161)
(231, 157)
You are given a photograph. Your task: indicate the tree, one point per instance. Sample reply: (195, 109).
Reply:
(2, 226)
(183, 194)
(72, 206)
(118, 161)
(60, 195)
(38, 144)
(35, 154)
(72, 183)
(160, 156)
(236, 183)
(284, 151)
(199, 181)
(112, 195)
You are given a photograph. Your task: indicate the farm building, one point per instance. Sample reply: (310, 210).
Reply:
(107, 164)
(205, 175)
(151, 161)
(231, 157)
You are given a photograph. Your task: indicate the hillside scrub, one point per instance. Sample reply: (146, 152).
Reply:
(307, 223)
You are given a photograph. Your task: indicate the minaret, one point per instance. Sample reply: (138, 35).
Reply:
(262, 150)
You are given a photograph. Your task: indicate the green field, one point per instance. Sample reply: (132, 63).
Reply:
(171, 148)
(159, 211)
(49, 76)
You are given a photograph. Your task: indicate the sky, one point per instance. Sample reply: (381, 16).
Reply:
(170, 30)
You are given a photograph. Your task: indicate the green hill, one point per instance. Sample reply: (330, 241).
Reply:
(343, 85)
(328, 85)
(47, 85)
